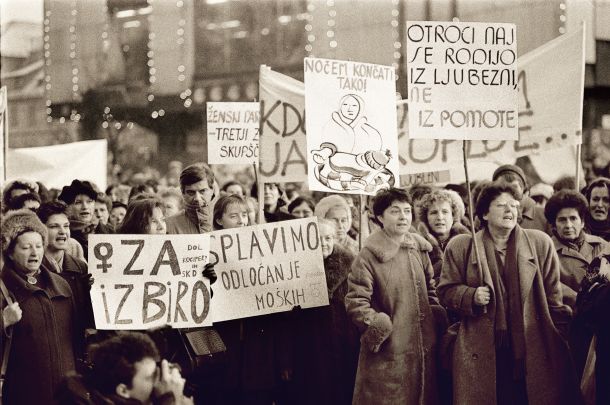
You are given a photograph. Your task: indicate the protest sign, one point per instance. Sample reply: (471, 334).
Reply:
(147, 281)
(426, 178)
(232, 132)
(267, 268)
(57, 165)
(553, 71)
(462, 80)
(3, 131)
(351, 130)
(282, 128)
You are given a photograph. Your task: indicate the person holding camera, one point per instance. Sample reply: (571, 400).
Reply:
(126, 371)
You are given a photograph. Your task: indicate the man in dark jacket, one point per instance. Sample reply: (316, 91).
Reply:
(126, 371)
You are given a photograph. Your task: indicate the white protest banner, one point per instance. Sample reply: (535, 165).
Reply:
(147, 281)
(351, 132)
(282, 128)
(3, 131)
(462, 80)
(426, 178)
(267, 268)
(57, 165)
(553, 71)
(232, 132)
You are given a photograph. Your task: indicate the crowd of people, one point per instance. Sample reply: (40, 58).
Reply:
(421, 311)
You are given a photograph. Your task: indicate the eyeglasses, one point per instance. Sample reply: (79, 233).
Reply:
(512, 204)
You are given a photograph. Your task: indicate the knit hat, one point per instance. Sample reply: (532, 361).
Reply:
(513, 169)
(68, 193)
(327, 203)
(16, 223)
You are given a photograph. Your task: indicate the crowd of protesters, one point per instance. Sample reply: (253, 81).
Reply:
(421, 311)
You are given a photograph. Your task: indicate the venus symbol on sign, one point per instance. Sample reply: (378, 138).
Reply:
(103, 258)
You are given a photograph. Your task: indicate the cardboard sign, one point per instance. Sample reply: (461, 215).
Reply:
(462, 80)
(554, 71)
(282, 128)
(232, 132)
(267, 268)
(427, 178)
(147, 281)
(351, 132)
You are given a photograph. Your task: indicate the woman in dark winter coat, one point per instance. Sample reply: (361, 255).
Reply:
(439, 222)
(508, 348)
(43, 339)
(390, 299)
(326, 354)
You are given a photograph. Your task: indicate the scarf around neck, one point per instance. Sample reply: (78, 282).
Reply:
(598, 228)
(200, 216)
(575, 244)
(509, 325)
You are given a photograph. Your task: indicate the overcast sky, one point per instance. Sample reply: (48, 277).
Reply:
(22, 10)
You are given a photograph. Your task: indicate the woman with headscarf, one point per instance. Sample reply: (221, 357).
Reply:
(508, 348)
(43, 337)
(597, 220)
(390, 298)
(336, 209)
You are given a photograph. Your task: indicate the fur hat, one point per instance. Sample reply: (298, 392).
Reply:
(327, 203)
(16, 223)
(514, 169)
(380, 327)
(68, 193)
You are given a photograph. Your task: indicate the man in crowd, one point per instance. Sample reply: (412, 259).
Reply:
(197, 186)
(126, 370)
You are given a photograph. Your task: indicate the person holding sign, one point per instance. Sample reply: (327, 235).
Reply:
(390, 298)
(42, 347)
(508, 348)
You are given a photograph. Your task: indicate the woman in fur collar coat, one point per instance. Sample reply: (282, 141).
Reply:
(389, 298)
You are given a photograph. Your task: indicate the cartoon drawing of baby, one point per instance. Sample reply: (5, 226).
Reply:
(352, 156)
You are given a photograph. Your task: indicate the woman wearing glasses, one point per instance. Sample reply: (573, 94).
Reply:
(508, 349)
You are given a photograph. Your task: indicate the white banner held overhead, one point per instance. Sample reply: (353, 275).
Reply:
(351, 132)
(57, 165)
(232, 132)
(462, 80)
(147, 281)
(282, 128)
(267, 268)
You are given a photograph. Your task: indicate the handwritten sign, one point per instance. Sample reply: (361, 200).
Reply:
(427, 178)
(462, 80)
(267, 268)
(282, 128)
(147, 281)
(232, 132)
(351, 142)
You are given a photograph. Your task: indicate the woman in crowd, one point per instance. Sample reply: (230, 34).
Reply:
(390, 298)
(230, 211)
(172, 201)
(144, 216)
(326, 350)
(301, 207)
(41, 321)
(598, 196)
(439, 222)
(508, 348)
(234, 187)
(336, 209)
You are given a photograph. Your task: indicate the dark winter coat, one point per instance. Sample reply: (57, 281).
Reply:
(326, 353)
(550, 378)
(532, 216)
(574, 264)
(395, 279)
(42, 341)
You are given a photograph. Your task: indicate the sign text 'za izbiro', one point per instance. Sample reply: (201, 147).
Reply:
(146, 281)
(462, 80)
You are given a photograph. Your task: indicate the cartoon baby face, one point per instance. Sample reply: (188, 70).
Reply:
(350, 107)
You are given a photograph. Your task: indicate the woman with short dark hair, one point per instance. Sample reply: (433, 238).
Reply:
(390, 299)
(508, 349)
(144, 216)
